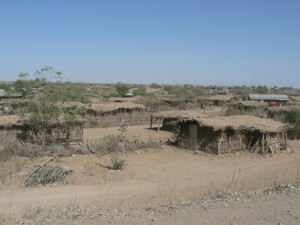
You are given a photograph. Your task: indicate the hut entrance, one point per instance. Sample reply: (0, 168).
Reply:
(193, 133)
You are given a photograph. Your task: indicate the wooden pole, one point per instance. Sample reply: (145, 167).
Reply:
(263, 143)
(285, 138)
(151, 121)
(219, 147)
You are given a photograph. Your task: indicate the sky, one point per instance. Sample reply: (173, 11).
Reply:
(212, 42)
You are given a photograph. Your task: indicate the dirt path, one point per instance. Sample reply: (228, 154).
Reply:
(278, 208)
(141, 132)
(153, 178)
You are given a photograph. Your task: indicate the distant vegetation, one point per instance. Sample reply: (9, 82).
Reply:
(244, 91)
(45, 93)
(293, 118)
(140, 90)
(234, 111)
(187, 91)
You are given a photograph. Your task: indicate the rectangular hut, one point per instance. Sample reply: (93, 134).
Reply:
(10, 128)
(221, 135)
(167, 120)
(13, 128)
(116, 113)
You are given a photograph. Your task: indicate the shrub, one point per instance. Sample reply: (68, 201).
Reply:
(233, 111)
(152, 102)
(293, 118)
(140, 90)
(122, 89)
(117, 163)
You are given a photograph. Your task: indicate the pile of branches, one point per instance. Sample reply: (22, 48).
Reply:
(46, 174)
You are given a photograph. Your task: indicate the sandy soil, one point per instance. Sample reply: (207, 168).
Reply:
(152, 178)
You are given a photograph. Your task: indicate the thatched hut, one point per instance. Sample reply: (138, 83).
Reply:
(252, 108)
(219, 135)
(10, 127)
(279, 112)
(114, 113)
(14, 128)
(167, 120)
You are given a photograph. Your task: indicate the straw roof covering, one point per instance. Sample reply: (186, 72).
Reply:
(296, 98)
(254, 104)
(283, 108)
(111, 106)
(180, 114)
(224, 98)
(8, 121)
(242, 122)
(14, 101)
(70, 104)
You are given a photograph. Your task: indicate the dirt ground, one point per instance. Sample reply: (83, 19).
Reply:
(152, 178)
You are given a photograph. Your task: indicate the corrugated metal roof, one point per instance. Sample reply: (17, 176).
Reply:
(268, 97)
(4, 94)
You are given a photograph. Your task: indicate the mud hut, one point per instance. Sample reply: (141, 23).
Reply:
(14, 128)
(10, 128)
(219, 135)
(279, 113)
(252, 108)
(167, 120)
(115, 113)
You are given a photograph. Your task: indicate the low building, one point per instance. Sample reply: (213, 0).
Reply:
(167, 120)
(219, 135)
(116, 113)
(13, 128)
(6, 95)
(272, 99)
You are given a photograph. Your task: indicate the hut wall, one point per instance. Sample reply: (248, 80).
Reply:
(207, 138)
(170, 124)
(65, 134)
(58, 133)
(114, 118)
(9, 134)
(230, 141)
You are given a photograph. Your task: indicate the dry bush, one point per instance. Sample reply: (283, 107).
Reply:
(117, 143)
(117, 163)
(6, 148)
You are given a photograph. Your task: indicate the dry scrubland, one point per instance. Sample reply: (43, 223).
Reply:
(159, 183)
(166, 179)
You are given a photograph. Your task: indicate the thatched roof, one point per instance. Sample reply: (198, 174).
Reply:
(254, 104)
(296, 98)
(8, 121)
(242, 122)
(14, 101)
(70, 104)
(222, 98)
(180, 114)
(111, 106)
(283, 108)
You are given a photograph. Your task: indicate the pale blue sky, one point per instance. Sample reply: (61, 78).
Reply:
(225, 42)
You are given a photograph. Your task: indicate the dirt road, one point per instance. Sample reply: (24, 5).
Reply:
(154, 178)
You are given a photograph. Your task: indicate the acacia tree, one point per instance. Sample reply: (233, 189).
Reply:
(122, 89)
(44, 111)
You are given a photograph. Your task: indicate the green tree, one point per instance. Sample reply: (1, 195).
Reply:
(44, 111)
(140, 90)
(122, 89)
